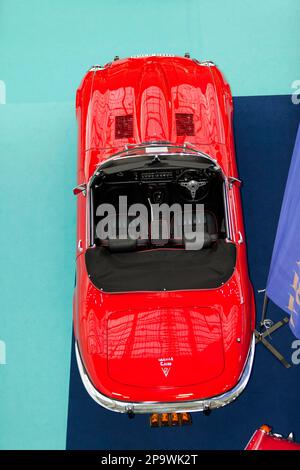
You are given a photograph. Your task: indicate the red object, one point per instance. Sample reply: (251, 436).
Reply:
(204, 337)
(264, 439)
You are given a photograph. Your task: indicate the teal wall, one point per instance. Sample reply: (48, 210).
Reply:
(37, 220)
(45, 48)
(47, 45)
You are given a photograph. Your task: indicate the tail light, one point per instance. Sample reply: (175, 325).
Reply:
(170, 419)
(154, 420)
(175, 419)
(186, 418)
(164, 420)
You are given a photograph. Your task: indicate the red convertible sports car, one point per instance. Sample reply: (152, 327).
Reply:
(163, 307)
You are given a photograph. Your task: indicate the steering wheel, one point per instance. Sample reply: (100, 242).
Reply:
(194, 185)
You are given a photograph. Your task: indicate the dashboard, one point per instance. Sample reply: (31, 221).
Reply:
(193, 184)
(159, 176)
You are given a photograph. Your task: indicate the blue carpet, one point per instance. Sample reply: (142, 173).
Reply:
(265, 131)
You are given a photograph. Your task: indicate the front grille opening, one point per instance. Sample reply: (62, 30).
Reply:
(124, 127)
(184, 124)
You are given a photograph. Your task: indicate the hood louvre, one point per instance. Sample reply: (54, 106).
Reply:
(184, 124)
(124, 127)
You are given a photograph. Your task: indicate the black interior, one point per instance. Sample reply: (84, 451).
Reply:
(162, 186)
(166, 262)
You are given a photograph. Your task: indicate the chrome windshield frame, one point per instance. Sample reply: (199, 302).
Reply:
(187, 150)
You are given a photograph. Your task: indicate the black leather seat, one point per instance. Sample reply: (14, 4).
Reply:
(119, 226)
(183, 232)
(179, 233)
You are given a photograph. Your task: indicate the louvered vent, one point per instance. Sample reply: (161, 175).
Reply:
(124, 127)
(185, 124)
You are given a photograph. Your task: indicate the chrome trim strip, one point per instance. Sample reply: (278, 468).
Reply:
(91, 219)
(168, 407)
(94, 68)
(225, 197)
(186, 147)
(154, 54)
(88, 216)
(207, 63)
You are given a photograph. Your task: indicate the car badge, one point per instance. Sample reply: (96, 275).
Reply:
(166, 364)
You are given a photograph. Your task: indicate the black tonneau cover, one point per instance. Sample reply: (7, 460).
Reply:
(161, 269)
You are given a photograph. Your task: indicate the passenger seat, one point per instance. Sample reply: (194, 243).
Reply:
(188, 226)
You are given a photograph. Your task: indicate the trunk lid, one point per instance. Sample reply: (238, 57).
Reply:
(165, 347)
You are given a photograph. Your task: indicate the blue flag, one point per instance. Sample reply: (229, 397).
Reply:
(283, 286)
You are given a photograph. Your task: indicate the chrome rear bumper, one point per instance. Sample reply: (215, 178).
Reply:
(168, 407)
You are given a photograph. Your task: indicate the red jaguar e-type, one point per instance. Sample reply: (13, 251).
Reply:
(161, 324)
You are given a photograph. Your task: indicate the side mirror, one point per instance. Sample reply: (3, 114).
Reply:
(232, 180)
(81, 188)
